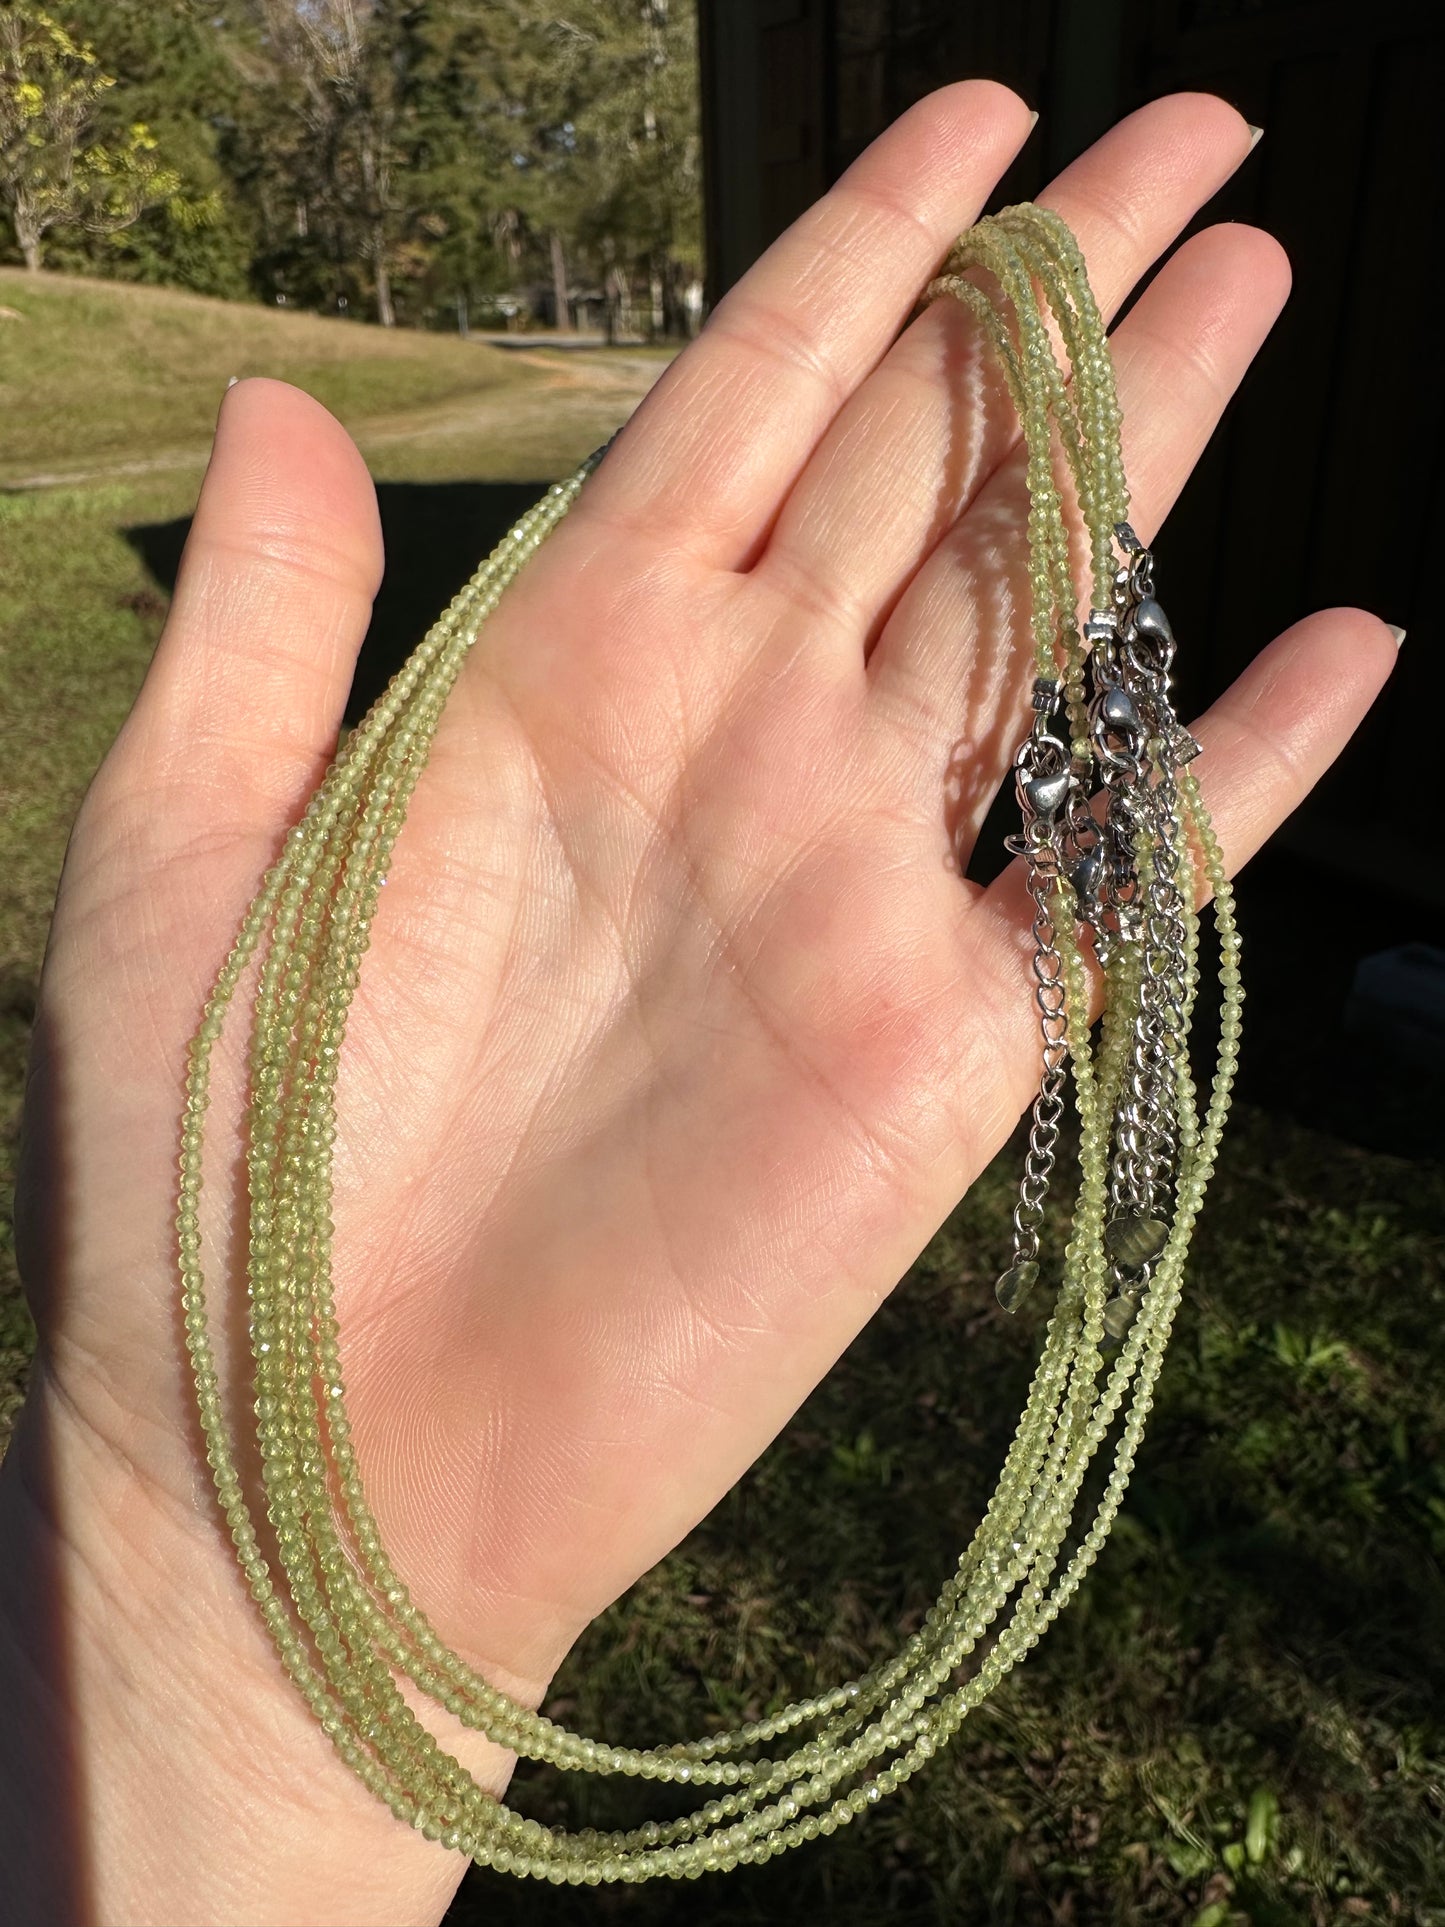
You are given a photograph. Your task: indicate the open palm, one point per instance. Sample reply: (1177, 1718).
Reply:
(681, 1030)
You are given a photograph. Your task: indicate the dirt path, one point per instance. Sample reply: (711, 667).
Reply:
(586, 385)
(607, 390)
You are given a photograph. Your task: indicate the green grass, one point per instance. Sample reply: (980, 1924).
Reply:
(97, 371)
(1239, 1719)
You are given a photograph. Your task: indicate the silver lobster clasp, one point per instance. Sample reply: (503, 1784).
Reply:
(1149, 639)
(1043, 767)
(1118, 732)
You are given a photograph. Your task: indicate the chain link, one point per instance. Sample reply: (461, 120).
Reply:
(1124, 862)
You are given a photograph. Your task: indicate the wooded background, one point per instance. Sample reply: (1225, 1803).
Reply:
(434, 164)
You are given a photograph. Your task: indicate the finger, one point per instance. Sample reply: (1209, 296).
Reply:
(951, 672)
(916, 442)
(241, 706)
(238, 711)
(1267, 742)
(720, 439)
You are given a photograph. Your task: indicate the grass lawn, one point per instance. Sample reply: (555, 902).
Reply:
(1240, 1718)
(97, 370)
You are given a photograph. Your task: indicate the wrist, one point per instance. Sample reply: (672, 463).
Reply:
(156, 1762)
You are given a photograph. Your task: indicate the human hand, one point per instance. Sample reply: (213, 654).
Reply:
(680, 1031)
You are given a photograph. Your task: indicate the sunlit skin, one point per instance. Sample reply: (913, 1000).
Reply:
(680, 1031)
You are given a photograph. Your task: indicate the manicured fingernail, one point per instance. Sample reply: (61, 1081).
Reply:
(1255, 135)
(1397, 632)
(1033, 120)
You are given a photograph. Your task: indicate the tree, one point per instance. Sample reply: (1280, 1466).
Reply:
(340, 71)
(422, 157)
(465, 239)
(607, 90)
(55, 171)
(642, 123)
(173, 72)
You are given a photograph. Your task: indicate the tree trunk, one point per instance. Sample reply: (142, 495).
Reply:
(559, 285)
(27, 234)
(385, 312)
(659, 317)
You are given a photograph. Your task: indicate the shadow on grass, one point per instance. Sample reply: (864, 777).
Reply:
(435, 534)
(1268, 1615)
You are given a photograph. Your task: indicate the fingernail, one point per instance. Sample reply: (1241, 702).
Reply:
(232, 382)
(1397, 632)
(1033, 120)
(1255, 135)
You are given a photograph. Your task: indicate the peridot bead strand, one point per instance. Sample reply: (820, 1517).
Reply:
(277, 881)
(1050, 247)
(296, 1479)
(1015, 243)
(355, 1627)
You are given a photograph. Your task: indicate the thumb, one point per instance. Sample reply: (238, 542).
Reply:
(238, 713)
(241, 706)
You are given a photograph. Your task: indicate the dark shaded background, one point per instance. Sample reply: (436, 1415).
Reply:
(1323, 486)
(433, 534)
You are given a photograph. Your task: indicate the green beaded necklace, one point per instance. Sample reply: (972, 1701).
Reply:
(1101, 867)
